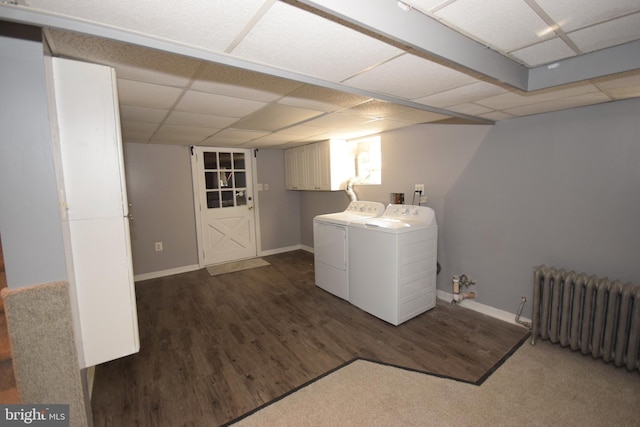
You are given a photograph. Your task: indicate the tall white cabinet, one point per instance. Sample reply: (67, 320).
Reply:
(94, 208)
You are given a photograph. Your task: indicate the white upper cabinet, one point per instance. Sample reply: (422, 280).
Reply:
(322, 166)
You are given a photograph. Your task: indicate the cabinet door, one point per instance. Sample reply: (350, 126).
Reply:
(323, 166)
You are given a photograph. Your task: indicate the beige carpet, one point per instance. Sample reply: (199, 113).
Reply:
(541, 385)
(232, 267)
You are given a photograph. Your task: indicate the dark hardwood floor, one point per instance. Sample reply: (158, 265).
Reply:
(214, 348)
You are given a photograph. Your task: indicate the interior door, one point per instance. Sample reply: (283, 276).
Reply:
(223, 181)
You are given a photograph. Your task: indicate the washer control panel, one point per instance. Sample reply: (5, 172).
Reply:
(370, 209)
(409, 212)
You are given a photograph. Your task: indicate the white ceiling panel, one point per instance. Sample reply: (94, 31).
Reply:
(236, 82)
(234, 136)
(297, 40)
(182, 118)
(559, 104)
(146, 94)
(338, 121)
(217, 105)
(462, 94)
(505, 24)
(620, 87)
(471, 109)
(545, 52)
(142, 114)
(608, 34)
(212, 24)
(132, 62)
(276, 116)
(139, 131)
(280, 39)
(512, 100)
(321, 99)
(387, 110)
(410, 77)
(574, 14)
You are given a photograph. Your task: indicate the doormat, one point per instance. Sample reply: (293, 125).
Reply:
(232, 267)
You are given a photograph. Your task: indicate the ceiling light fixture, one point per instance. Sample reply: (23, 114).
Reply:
(404, 6)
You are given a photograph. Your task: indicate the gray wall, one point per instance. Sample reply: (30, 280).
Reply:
(433, 155)
(279, 209)
(30, 222)
(561, 189)
(161, 196)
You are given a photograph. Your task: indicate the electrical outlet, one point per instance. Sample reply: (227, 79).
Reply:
(159, 247)
(266, 187)
(420, 188)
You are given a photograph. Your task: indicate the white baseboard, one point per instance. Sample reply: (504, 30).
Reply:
(482, 308)
(164, 273)
(280, 250)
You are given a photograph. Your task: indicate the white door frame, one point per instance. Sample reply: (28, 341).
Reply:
(196, 200)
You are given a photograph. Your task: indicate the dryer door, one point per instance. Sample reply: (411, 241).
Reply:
(330, 245)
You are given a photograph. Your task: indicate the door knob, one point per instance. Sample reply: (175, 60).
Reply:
(250, 207)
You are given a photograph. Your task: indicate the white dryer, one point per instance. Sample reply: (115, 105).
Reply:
(331, 245)
(393, 263)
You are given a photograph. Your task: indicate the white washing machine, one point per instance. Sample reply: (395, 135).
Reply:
(393, 263)
(331, 245)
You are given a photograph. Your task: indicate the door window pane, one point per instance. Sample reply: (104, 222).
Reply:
(210, 180)
(213, 199)
(238, 160)
(240, 179)
(241, 198)
(210, 161)
(225, 160)
(227, 199)
(226, 179)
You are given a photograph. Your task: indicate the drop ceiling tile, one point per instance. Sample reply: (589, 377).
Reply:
(239, 83)
(137, 130)
(322, 99)
(189, 131)
(233, 137)
(211, 24)
(574, 14)
(217, 105)
(300, 41)
(505, 24)
(181, 139)
(517, 99)
(607, 34)
(131, 62)
(496, 116)
(626, 85)
(543, 53)
(338, 121)
(142, 114)
(182, 118)
(273, 139)
(381, 109)
(141, 94)
(410, 77)
(462, 94)
(276, 116)
(301, 131)
(470, 109)
(559, 104)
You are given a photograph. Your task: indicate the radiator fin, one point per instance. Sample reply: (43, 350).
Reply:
(593, 315)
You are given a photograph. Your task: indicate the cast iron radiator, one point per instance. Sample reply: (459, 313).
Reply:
(594, 315)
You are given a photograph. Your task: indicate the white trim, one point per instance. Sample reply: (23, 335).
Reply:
(281, 250)
(482, 308)
(164, 273)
